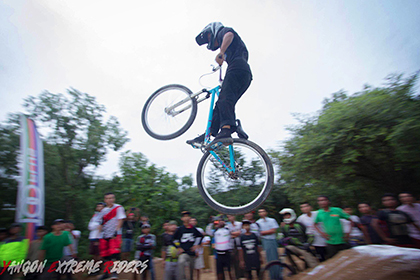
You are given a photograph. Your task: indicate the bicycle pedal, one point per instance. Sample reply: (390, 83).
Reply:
(214, 147)
(195, 147)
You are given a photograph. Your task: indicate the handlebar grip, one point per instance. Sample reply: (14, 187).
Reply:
(216, 68)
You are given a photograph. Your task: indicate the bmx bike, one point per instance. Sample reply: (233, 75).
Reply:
(233, 178)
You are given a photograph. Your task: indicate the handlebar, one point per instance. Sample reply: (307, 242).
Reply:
(214, 69)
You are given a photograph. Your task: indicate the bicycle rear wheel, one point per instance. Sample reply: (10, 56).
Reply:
(237, 192)
(286, 269)
(164, 121)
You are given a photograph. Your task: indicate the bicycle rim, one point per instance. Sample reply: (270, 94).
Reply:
(242, 191)
(286, 269)
(163, 124)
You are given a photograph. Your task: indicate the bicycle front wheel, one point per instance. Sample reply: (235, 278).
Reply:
(240, 191)
(169, 112)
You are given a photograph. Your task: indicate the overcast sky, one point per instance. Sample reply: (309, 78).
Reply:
(122, 51)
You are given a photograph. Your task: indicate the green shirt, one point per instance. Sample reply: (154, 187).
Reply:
(53, 246)
(332, 224)
(13, 250)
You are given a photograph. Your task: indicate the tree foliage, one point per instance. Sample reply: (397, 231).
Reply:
(357, 146)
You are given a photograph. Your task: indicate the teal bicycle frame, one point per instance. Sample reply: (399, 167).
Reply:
(215, 91)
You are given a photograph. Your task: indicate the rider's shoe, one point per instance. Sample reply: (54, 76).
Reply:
(224, 137)
(197, 141)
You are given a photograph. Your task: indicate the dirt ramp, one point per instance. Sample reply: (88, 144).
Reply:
(372, 262)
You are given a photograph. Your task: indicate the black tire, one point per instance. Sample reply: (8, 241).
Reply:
(287, 270)
(185, 119)
(211, 176)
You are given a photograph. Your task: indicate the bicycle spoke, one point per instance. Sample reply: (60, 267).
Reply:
(239, 188)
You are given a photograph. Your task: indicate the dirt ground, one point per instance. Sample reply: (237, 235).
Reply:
(379, 262)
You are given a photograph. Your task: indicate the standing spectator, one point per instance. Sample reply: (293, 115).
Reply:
(223, 247)
(412, 209)
(145, 244)
(371, 236)
(112, 217)
(268, 228)
(186, 238)
(235, 229)
(13, 248)
(308, 220)
(199, 261)
(128, 228)
(209, 227)
(74, 236)
(169, 252)
(333, 231)
(255, 227)
(396, 223)
(295, 239)
(250, 253)
(35, 249)
(356, 237)
(53, 245)
(206, 253)
(94, 234)
(144, 219)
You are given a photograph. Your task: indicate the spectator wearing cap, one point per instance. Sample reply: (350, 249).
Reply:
(145, 244)
(169, 251)
(186, 238)
(128, 229)
(249, 252)
(94, 234)
(268, 229)
(13, 248)
(255, 227)
(53, 245)
(34, 250)
(144, 219)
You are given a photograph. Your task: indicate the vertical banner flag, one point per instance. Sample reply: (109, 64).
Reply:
(30, 198)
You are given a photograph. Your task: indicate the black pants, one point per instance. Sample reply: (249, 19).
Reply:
(234, 86)
(320, 253)
(223, 260)
(332, 250)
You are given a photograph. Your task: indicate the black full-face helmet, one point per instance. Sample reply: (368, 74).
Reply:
(203, 38)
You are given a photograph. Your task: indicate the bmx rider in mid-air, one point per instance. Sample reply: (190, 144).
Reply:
(237, 79)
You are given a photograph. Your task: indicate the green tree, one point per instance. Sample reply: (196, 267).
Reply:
(77, 137)
(356, 147)
(9, 149)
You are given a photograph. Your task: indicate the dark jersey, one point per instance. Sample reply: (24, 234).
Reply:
(396, 222)
(249, 244)
(128, 228)
(297, 234)
(236, 53)
(366, 220)
(186, 237)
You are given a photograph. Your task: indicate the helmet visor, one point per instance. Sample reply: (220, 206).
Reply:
(202, 38)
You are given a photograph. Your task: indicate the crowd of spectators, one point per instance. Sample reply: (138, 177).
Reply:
(236, 243)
